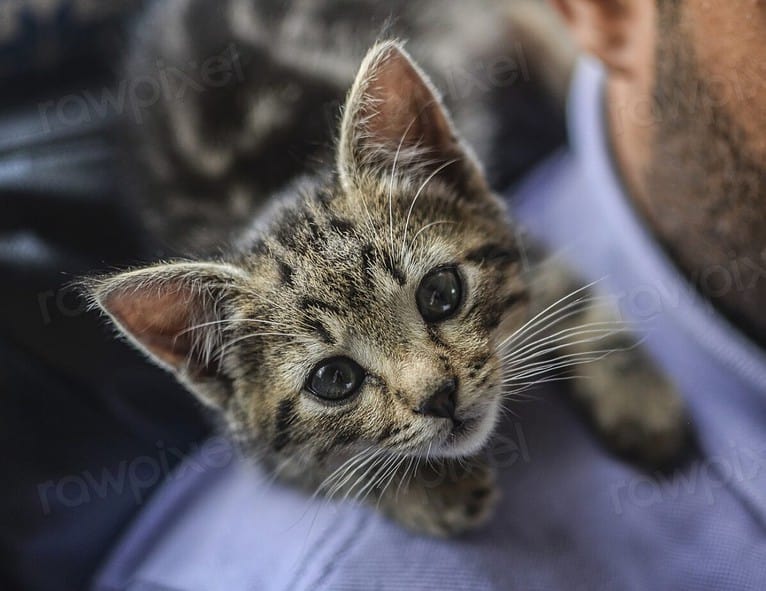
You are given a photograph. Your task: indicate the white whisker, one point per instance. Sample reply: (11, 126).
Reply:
(404, 475)
(566, 340)
(415, 198)
(368, 466)
(396, 470)
(524, 386)
(391, 183)
(375, 479)
(222, 350)
(556, 318)
(424, 228)
(229, 321)
(575, 359)
(532, 321)
(337, 475)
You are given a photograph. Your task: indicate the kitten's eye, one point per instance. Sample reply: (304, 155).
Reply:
(439, 294)
(335, 378)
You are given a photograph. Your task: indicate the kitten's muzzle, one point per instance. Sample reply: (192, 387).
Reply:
(442, 403)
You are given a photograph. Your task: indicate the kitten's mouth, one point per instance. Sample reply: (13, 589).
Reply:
(461, 427)
(468, 434)
(464, 435)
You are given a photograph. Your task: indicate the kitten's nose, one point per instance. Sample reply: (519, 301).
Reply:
(441, 404)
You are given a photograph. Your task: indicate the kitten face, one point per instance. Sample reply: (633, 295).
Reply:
(367, 310)
(335, 280)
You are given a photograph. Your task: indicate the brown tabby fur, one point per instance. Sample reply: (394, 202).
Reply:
(332, 268)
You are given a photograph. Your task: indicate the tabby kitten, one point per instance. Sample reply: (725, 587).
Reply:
(360, 325)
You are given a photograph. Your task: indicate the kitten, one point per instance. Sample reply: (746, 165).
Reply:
(232, 100)
(366, 320)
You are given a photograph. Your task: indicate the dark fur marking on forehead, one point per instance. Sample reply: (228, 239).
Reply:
(494, 254)
(325, 197)
(358, 300)
(284, 417)
(260, 247)
(317, 234)
(306, 303)
(341, 226)
(297, 230)
(347, 278)
(321, 330)
(285, 232)
(367, 261)
(286, 273)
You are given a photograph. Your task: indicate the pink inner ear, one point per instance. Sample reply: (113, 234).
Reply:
(403, 108)
(156, 318)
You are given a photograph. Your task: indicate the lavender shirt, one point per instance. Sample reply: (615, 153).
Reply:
(571, 517)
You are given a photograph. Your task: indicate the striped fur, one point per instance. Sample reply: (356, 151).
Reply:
(328, 242)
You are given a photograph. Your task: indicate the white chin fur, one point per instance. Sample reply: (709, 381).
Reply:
(471, 443)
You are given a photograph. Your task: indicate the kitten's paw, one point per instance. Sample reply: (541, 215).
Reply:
(650, 429)
(446, 500)
(637, 411)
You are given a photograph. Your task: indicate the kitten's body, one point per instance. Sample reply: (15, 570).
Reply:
(391, 255)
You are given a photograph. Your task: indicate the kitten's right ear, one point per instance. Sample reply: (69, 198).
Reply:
(394, 121)
(176, 314)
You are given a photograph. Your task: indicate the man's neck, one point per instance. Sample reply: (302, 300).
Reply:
(716, 238)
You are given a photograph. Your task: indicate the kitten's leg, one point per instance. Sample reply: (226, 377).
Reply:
(631, 404)
(442, 497)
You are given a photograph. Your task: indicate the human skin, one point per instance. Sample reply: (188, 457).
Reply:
(686, 105)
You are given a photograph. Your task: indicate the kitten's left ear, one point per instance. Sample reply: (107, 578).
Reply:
(176, 313)
(394, 120)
